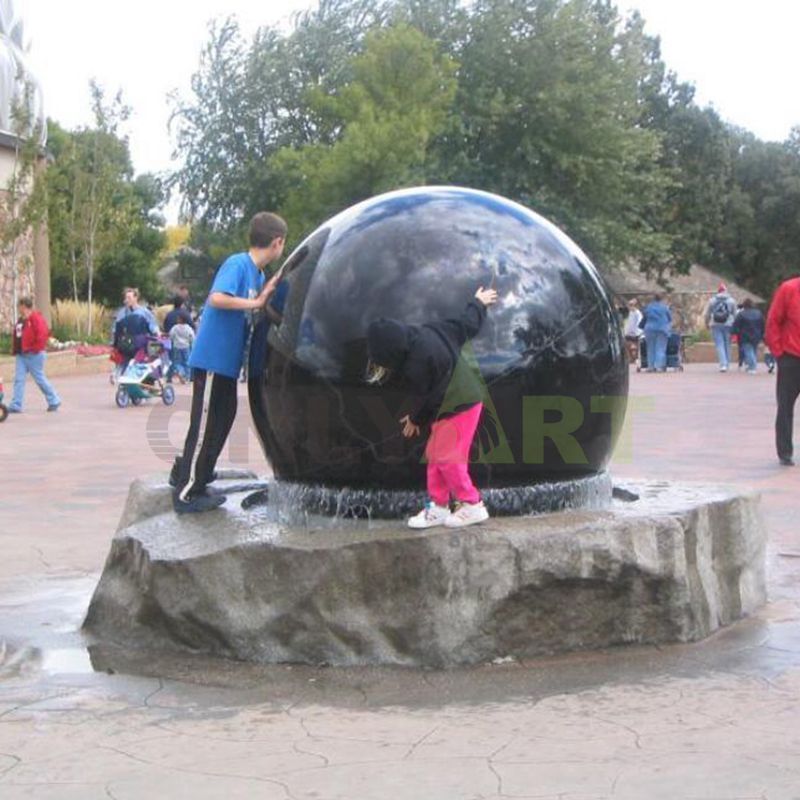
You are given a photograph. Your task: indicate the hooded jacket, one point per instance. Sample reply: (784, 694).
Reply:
(720, 297)
(749, 325)
(424, 357)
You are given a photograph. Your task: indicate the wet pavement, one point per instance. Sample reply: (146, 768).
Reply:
(718, 720)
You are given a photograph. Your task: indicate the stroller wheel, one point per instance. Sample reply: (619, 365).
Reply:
(122, 397)
(3, 413)
(137, 401)
(168, 395)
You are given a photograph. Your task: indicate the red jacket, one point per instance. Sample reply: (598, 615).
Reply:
(783, 322)
(35, 334)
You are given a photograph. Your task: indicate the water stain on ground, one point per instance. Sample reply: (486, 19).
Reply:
(42, 642)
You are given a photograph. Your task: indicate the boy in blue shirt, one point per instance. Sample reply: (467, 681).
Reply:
(216, 360)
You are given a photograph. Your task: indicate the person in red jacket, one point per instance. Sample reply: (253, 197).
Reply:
(30, 340)
(783, 339)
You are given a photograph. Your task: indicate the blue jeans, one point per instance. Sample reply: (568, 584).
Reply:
(33, 363)
(656, 342)
(722, 341)
(749, 352)
(180, 363)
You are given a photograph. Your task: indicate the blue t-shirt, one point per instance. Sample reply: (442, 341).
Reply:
(220, 342)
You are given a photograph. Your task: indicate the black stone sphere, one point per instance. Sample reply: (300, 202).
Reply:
(550, 352)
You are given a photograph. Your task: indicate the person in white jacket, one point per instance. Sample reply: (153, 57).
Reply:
(632, 330)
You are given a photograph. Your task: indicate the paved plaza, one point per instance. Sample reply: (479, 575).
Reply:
(718, 720)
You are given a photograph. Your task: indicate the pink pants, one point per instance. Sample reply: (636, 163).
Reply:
(447, 452)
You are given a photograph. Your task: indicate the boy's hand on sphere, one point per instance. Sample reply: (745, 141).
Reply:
(486, 296)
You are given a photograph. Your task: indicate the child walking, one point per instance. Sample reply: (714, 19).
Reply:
(181, 336)
(424, 358)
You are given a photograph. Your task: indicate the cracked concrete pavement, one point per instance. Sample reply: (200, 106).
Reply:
(717, 720)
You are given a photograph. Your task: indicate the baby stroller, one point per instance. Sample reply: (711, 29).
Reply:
(143, 376)
(3, 406)
(675, 353)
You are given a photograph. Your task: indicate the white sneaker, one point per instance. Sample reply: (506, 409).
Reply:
(467, 514)
(723, 369)
(430, 516)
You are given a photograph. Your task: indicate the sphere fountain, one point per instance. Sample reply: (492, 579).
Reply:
(316, 567)
(549, 356)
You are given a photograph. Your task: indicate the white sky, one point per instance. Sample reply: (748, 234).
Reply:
(743, 58)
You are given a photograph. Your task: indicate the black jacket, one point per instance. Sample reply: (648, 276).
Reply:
(178, 315)
(424, 357)
(749, 325)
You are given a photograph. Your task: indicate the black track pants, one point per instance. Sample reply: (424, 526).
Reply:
(787, 389)
(213, 412)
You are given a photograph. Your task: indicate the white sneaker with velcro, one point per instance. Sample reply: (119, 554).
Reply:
(430, 516)
(467, 514)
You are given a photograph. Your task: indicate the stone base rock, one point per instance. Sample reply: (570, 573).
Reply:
(674, 566)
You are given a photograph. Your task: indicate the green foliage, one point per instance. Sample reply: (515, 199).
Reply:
(562, 105)
(549, 101)
(104, 230)
(760, 238)
(22, 199)
(396, 102)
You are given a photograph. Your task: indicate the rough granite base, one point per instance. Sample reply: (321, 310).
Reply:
(674, 566)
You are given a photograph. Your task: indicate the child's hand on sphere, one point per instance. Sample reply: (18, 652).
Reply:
(409, 428)
(486, 296)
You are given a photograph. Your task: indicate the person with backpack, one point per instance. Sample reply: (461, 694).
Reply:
(132, 324)
(783, 340)
(720, 314)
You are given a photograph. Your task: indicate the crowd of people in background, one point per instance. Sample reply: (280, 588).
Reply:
(648, 334)
(728, 322)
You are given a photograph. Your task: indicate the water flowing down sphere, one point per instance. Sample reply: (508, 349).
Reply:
(550, 353)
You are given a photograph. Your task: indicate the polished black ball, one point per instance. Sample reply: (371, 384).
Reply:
(550, 353)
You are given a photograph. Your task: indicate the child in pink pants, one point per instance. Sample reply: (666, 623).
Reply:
(425, 358)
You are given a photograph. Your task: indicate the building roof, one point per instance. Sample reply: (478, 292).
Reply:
(698, 281)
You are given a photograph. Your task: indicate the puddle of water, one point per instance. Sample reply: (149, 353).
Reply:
(73, 661)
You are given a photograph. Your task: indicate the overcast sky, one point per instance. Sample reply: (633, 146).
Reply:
(743, 58)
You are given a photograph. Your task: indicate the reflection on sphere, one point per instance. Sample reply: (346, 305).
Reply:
(550, 352)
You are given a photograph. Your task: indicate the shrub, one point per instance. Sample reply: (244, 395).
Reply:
(69, 321)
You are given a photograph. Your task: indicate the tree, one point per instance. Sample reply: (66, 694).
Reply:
(387, 115)
(549, 100)
(760, 237)
(104, 226)
(248, 102)
(23, 202)
(562, 105)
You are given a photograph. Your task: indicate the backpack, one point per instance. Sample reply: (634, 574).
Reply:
(720, 310)
(128, 334)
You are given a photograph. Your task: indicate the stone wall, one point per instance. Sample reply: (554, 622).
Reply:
(21, 254)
